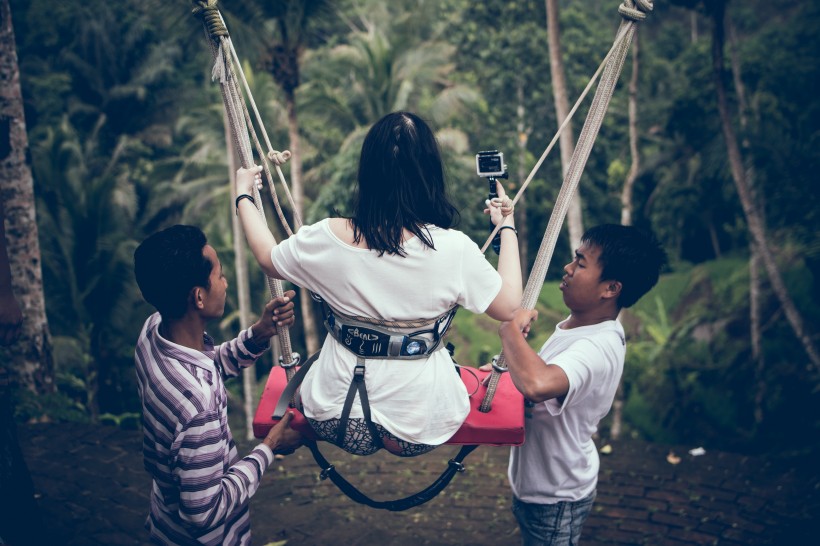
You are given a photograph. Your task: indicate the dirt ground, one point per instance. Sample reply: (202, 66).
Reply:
(94, 491)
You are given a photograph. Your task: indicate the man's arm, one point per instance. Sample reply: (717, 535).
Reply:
(535, 379)
(209, 495)
(243, 351)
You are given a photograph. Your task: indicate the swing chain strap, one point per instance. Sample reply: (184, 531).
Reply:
(288, 397)
(454, 466)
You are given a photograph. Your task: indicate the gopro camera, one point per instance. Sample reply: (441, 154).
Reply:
(490, 164)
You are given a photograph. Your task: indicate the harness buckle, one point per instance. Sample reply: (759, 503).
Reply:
(496, 367)
(358, 372)
(295, 361)
(325, 473)
(457, 465)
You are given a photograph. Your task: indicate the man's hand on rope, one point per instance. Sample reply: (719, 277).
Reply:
(247, 178)
(521, 322)
(278, 313)
(499, 207)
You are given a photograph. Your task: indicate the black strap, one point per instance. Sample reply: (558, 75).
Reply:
(290, 389)
(454, 465)
(357, 385)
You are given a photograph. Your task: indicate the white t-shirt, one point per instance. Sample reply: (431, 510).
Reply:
(421, 401)
(559, 461)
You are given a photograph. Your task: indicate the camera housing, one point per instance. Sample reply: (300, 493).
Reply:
(490, 164)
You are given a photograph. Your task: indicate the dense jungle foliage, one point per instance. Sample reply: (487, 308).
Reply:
(126, 137)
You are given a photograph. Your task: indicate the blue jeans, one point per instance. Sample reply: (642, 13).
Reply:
(552, 524)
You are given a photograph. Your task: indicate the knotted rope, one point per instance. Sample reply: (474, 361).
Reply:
(632, 12)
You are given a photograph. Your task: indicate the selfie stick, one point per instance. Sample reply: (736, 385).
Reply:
(493, 194)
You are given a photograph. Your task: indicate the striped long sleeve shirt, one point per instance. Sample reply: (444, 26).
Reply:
(201, 489)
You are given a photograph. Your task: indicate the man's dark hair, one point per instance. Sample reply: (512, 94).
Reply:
(168, 265)
(401, 184)
(628, 255)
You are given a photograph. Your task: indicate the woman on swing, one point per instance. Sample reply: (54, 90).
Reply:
(396, 259)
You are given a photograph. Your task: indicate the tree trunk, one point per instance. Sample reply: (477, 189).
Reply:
(524, 132)
(753, 218)
(755, 277)
(575, 222)
(626, 205)
(693, 26)
(754, 315)
(305, 300)
(634, 168)
(243, 291)
(29, 360)
(713, 237)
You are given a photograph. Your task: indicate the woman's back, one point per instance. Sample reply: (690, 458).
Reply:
(358, 282)
(422, 401)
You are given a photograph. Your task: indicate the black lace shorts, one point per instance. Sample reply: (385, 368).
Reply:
(359, 440)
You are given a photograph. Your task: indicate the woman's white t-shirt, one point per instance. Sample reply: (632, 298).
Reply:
(421, 401)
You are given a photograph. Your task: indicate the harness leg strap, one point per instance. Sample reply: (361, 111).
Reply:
(357, 384)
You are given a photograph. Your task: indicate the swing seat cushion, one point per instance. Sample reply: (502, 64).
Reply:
(503, 425)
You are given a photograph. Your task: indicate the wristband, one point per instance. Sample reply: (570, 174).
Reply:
(244, 196)
(502, 228)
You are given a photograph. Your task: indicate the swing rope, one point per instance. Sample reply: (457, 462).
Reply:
(632, 12)
(240, 123)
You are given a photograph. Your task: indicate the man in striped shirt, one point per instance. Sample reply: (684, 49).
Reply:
(201, 489)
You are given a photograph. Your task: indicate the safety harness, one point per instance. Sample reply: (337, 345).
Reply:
(368, 339)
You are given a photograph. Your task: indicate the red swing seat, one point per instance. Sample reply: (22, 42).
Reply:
(503, 425)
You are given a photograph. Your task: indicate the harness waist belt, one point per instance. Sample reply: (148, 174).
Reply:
(369, 342)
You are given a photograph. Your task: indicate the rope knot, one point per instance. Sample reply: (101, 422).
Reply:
(279, 158)
(209, 13)
(635, 10)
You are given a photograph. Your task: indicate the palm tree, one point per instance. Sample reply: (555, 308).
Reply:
(354, 84)
(87, 207)
(30, 358)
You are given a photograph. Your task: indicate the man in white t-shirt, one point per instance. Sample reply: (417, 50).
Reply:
(571, 381)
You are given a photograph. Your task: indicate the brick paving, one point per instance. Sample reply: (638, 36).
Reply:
(92, 490)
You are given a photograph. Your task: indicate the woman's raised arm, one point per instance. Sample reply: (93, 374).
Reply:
(509, 262)
(260, 239)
